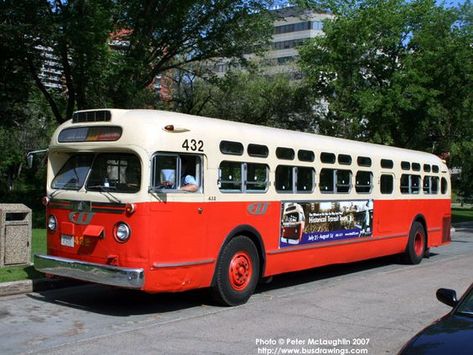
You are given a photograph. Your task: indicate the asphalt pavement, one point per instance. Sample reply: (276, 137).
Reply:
(371, 307)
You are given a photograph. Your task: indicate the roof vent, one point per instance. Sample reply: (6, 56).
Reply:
(91, 116)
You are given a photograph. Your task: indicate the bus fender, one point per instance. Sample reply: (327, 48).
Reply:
(421, 219)
(255, 236)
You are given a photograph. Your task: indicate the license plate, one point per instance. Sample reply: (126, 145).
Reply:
(67, 240)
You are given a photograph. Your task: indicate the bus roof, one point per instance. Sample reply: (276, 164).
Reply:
(141, 127)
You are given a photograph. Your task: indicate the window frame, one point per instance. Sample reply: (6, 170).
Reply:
(370, 185)
(244, 178)
(199, 172)
(335, 184)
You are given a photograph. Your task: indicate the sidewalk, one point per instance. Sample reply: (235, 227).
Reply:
(38, 285)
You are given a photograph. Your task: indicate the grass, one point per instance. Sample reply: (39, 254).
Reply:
(25, 272)
(462, 215)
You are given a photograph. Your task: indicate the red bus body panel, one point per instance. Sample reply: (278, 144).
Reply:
(178, 243)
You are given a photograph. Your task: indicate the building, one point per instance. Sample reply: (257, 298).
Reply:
(51, 72)
(292, 27)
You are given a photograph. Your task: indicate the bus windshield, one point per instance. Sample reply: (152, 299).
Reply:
(117, 172)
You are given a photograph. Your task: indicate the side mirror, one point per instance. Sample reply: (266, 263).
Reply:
(30, 156)
(29, 159)
(447, 296)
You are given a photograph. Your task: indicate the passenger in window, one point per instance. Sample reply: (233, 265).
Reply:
(188, 181)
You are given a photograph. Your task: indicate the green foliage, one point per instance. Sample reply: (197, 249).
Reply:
(112, 51)
(462, 153)
(462, 215)
(273, 101)
(19, 184)
(395, 72)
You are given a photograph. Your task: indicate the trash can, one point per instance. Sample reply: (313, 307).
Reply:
(15, 235)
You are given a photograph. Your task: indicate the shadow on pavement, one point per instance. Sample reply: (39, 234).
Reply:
(123, 302)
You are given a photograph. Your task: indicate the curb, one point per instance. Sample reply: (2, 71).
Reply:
(37, 285)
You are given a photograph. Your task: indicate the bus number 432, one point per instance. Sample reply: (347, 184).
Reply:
(193, 145)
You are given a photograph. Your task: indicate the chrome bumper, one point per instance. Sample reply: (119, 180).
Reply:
(98, 273)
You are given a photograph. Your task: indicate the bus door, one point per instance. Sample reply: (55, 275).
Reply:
(177, 181)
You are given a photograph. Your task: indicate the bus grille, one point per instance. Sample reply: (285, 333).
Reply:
(92, 116)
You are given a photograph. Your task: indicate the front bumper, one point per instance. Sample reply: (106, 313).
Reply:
(98, 273)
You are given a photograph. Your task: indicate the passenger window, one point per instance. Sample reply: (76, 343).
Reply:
(284, 181)
(333, 180)
(344, 159)
(387, 184)
(444, 186)
(306, 155)
(434, 184)
(231, 148)
(416, 166)
(285, 153)
(305, 179)
(405, 165)
(415, 184)
(364, 182)
(364, 161)
(326, 183)
(230, 177)
(343, 180)
(405, 183)
(256, 177)
(257, 150)
(410, 184)
(327, 158)
(427, 185)
(387, 164)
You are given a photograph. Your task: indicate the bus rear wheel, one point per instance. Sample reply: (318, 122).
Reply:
(237, 272)
(416, 245)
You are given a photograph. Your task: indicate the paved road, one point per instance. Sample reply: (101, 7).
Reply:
(370, 307)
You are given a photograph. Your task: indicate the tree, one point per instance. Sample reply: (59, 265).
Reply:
(152, 37)
(275, 101)
(395, 72)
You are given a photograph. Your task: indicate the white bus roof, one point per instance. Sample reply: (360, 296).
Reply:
(142, 127)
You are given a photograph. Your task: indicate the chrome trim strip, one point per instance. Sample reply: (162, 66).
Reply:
(434, 230)
(332, 244)
(188, 263)
(98, 273)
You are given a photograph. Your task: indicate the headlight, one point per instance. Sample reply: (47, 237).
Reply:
(122, 232)
(52, 223)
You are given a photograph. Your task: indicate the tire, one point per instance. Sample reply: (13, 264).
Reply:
(416, 245)
(237, 272)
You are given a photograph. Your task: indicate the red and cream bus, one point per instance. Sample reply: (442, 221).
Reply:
(262, 202)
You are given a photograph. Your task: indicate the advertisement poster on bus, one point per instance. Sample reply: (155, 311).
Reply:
(316, 222)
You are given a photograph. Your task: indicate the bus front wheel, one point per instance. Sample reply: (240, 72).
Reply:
(237, 272)
(416, 245)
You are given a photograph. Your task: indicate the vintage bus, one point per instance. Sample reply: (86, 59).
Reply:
(166, 202)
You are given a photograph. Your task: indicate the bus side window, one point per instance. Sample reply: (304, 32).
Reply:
(387, 184)
(284, 178)
(177, 172)
(326, 183)
(230, 176)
